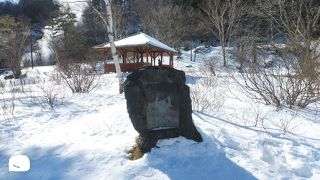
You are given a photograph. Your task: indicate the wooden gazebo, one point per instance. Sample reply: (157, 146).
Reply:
(137, 51)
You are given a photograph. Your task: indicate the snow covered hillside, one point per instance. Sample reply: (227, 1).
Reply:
(89, 136)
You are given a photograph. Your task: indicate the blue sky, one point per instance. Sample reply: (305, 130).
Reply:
(9, 0)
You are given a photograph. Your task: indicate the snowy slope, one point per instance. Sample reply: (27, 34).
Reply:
(89, 136)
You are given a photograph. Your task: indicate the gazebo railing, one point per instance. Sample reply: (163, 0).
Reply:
(128, 67)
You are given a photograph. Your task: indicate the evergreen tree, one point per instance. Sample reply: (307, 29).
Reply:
(37, 10)
(90, 19)
(7, 23)
(65, 35)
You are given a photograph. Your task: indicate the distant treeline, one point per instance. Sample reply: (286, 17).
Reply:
(36, 11)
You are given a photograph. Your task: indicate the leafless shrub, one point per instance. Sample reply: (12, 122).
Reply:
(259, 117)
(50, 91)
(280, 85)
(287, 123)
(80, 77)
(83, 78)
(209, 68)
(254, 116)
(293, 77)
(45, 91)
(204, 96)
(2, 85)
(8, 98)
(8, 105)
(16, 85)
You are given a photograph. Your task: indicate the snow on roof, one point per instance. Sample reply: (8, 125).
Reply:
(137, 40)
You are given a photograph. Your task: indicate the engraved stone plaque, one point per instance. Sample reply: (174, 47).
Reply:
(161, 114)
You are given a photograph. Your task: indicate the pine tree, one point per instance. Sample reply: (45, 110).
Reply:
(64, 32)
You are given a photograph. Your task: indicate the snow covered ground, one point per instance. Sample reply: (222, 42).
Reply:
(89, 136)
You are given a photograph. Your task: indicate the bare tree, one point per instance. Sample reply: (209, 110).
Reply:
(118, 13)
(112, 45)
(167, 22)
(94, 14)
(108, 21)
(298, 21)
(221, 17)
(14, 47)
(248, 37)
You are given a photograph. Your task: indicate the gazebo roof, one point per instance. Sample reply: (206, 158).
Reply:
(138, 40)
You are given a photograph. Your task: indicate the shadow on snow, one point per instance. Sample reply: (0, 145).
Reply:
(46, 163)
(180, 158)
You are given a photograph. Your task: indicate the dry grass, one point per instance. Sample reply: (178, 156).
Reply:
(135, 153)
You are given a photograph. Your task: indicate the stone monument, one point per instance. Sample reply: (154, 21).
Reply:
(159, 105)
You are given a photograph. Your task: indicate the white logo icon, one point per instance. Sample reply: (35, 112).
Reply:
(19, 163)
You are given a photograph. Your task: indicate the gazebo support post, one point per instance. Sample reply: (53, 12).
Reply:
(141, 55)
(147, 56)
(171, 60)
(137, 56)
(154, 60)
(123, 58)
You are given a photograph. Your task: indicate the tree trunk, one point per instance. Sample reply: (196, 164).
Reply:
(112, 45)
(254, 53)
(223, 47)
(191, 46)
